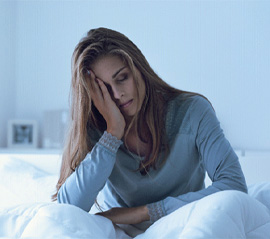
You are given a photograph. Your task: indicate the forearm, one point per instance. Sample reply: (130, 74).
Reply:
(132, 215)
(82, 187)
(228, 177)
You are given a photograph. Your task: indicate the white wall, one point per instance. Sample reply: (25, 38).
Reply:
(218, 48)
(7, 66)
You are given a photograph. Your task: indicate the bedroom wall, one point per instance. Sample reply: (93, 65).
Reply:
(7, 66)
(220, 49)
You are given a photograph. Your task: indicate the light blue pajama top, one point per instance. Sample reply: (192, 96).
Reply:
(197, 145)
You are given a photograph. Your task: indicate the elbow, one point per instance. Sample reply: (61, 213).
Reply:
(60, 197)
(63, 197)
(237, 184)
(243, 187)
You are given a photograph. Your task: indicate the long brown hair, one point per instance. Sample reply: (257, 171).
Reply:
(84, 116)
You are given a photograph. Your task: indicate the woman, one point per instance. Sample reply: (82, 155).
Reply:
(145, 143)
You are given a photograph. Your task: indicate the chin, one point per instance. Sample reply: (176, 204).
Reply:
(128, 115)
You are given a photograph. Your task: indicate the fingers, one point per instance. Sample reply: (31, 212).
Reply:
(95, 90)
(97, 83)
(99, 92)
(104, 90)
(106, 106)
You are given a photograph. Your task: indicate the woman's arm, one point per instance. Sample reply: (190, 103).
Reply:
(133, 215)
(217, 155)
(82, 186)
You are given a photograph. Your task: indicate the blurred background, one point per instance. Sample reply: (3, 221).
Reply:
(220, 49)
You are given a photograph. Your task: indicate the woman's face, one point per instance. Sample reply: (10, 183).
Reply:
(118, 78)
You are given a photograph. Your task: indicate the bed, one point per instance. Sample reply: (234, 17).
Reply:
(26, 211)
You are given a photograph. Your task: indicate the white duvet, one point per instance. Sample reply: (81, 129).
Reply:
(227, 214)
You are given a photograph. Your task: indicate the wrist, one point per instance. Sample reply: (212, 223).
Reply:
(116, 133)
(143, 210)
(110, 141)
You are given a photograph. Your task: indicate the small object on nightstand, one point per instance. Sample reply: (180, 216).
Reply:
(22, 134)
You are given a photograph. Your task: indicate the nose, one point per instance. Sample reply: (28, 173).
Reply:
(117, 93)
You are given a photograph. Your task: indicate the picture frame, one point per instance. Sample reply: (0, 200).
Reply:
(22, 134)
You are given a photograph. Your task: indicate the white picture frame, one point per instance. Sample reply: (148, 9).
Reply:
(22, 134)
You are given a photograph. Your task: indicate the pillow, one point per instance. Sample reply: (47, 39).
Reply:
(21, 182)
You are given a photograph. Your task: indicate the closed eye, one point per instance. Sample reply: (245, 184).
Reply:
(125, 77)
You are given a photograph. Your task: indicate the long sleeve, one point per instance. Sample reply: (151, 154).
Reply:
(83, 185)
(217, 156)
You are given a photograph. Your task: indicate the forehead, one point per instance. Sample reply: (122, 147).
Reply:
(105, 67)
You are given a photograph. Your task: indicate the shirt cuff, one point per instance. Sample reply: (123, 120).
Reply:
(156, 211)
(110, 142)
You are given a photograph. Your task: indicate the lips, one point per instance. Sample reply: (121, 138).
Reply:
(127, 104)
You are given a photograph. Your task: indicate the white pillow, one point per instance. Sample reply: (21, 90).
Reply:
(21, 182)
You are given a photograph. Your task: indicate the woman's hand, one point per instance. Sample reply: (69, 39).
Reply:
(107, 107)
(131, 215)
